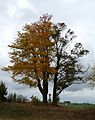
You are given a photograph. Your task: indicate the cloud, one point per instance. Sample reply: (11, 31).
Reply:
(82, 96)
(78, 87)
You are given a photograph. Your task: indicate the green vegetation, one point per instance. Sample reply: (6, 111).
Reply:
(35, 100)
(3, 91)
(13, 97)
(77, 105)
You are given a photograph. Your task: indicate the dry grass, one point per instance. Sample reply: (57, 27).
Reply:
(29, 111)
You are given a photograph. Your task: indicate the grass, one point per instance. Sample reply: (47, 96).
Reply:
(77, 105)
(29, 111)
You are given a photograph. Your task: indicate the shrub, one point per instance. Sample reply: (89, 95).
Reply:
(13, 97)
(21, 98)
(35, 99)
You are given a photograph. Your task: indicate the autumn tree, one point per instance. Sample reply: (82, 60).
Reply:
(41, 54)
(3, 91)
(31, 55)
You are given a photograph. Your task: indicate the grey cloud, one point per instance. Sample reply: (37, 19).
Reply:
(82, 96)
(23, 90)
(11, 13)
(4, 10)
(23, 16)
(14, 87)
(78, 87)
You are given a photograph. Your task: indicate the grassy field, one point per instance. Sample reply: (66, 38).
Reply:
(79, 105)
(29, 111)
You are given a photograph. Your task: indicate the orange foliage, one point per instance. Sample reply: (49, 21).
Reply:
(30, 56)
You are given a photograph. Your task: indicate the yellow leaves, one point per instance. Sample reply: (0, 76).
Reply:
(27, 81)
(52, 70)
(40, 59)
(42, 67)
(31, 51)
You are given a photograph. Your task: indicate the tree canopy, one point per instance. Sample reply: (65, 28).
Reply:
(42, 53)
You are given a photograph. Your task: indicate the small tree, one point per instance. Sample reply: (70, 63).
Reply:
(35, 99)
(3, 91)
(91, 76)
(12, 97)
(21, 98)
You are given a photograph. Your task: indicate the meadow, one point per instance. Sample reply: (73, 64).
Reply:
(30, 111)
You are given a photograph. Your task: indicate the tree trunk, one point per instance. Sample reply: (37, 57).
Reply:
(55, 82)
(45, 91)
(54, 90)
(44, 98)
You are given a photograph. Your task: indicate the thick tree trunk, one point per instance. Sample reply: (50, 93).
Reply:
(45, 89)
(44, 98)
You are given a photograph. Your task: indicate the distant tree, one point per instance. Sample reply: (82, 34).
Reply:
(3, 92)
(12, 97)
(35, 99)
(91, 76)
(21, 98)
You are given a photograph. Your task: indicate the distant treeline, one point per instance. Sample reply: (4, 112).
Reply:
(13, 97)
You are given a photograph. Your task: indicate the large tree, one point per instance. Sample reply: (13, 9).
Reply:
(66, 60)
(31, 55)
(41, 53)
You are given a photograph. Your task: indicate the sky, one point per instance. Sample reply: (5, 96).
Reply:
(78, 15)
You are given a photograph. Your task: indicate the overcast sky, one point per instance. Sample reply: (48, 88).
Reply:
(78, 15)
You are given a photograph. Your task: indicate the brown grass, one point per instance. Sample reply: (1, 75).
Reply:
(29, 111)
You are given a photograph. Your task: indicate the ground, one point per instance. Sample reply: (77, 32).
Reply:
(30, 111)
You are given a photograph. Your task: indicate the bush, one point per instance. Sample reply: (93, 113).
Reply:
(35, 99)
(57, 99)
(21, 98)
(13, 97)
